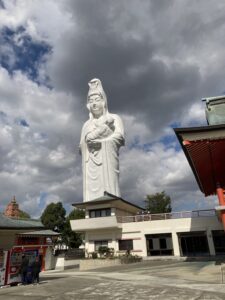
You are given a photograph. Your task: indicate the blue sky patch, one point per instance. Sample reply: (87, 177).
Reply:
(21, 52)
(42, 202)
(168, 139)
(2, 5)
(3, 116)
(135, 143)
(23, 123)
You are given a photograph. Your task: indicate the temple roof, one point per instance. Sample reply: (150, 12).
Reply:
(204, 148)
(8, 223)
(46, 232)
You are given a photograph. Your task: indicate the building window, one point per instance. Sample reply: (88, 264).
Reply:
(194, 243)
(159, 244)
(162, 243)
(97, 213)
(150, 244)
(125, 244)
(100, 244)
(219, 241)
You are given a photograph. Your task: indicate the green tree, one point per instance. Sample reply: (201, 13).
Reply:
(54, 216)
(69, 237)
(23, 215)
(158, 203)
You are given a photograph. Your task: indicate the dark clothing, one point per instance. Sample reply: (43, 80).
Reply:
(36, 269)
(29, 278)
(35, 277)
(23, 269)
(24, 264)
(24, 277)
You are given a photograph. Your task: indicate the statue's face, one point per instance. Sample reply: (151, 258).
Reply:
(96, 104)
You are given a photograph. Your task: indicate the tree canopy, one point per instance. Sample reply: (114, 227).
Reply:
(69, 237)
(76, 214)
(23, 215)
(158, 203)
(54, 216)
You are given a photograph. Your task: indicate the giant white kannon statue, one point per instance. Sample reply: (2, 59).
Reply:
(101, 137)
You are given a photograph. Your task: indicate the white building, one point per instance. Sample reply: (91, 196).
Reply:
(113, 222)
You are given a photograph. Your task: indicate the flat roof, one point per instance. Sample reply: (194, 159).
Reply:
(204, 148)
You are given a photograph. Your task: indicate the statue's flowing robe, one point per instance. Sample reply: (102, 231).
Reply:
(101, 163)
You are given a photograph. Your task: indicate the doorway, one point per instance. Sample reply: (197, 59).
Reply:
(194, 243)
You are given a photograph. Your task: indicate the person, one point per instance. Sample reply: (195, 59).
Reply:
(36, 269)
(101, 137)
(24, 268)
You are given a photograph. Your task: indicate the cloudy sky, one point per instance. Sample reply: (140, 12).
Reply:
(156, 60)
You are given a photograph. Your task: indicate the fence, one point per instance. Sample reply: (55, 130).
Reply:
(74, 254)
(166, 216)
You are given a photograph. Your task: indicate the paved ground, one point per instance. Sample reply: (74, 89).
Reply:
(146, 280)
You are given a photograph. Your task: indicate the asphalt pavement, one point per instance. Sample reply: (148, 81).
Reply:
(145, 280)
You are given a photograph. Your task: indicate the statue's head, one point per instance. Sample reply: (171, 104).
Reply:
(96, 99)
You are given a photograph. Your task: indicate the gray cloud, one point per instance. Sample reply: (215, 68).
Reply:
(156, 61)
(113, 44)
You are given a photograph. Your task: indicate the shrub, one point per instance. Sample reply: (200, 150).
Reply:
(129, 259)
(106, 252)
(94, 255)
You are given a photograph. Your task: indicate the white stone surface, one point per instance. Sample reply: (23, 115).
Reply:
(88, 264)
(136, 231)
(101, 137)
(94, 223)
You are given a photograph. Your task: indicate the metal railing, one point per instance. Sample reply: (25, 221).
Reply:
(166, 216)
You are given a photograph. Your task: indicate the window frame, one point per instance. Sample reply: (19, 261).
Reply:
(98, 213)
(124, 245)
(104, 243)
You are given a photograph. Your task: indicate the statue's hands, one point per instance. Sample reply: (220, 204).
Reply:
(92, 141)
(93, 145)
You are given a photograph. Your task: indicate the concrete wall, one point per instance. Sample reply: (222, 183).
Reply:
(137, 231)
(88, 264)
(50, 260)
(100, 235)
(62, 264)
(94, 223)
(121, 213)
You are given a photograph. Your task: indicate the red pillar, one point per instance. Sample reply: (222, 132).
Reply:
(221, 198)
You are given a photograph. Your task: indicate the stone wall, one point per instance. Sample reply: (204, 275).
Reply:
(88, 264)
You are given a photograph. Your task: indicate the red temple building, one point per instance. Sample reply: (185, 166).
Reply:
(20, 237)
(204, 148)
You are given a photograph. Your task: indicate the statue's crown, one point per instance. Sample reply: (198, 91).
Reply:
(95, 87)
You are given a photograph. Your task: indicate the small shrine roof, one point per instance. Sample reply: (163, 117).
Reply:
(108, 198)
